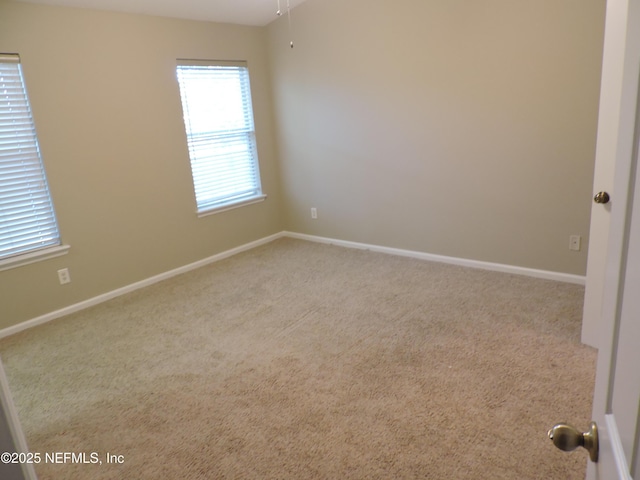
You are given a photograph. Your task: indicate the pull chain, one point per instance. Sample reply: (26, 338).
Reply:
(279, 13)
(289, 20)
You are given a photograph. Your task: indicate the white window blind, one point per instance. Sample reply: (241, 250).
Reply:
(27, 219)
(218, 119)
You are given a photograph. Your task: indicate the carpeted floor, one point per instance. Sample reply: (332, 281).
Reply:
(298, 360)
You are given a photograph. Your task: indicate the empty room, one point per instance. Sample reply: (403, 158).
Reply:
(310, 239)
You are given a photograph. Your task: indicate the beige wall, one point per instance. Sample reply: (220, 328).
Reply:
(454, 128)
(460, 128)
(107, 110)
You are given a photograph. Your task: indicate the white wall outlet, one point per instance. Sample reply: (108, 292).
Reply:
(63, 276)
(574, 243)
(314, 213)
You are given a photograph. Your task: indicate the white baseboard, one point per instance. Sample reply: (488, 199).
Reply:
(5, 332)
(497, 267)
(560, 277)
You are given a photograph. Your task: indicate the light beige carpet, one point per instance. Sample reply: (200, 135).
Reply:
(304, 361)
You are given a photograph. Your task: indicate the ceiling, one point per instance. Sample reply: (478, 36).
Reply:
(243, 12)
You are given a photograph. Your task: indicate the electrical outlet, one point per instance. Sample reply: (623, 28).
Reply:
(314, 213)
(574, 243)
(63, 276)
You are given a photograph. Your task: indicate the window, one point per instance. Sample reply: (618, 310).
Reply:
(28, 228)
(218, 119)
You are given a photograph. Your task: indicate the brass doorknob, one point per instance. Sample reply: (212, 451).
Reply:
(602, 197)
(568, 438)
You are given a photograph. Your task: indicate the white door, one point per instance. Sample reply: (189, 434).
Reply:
(606, 147)
(616, 407)
(617, 393)
(11, 437)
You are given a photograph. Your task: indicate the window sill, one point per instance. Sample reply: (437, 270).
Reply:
(32, 257)
(224, 208)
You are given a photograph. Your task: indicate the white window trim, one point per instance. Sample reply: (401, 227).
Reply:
(203, 210)
(33, 257)
(232, 206)
(54, 247)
